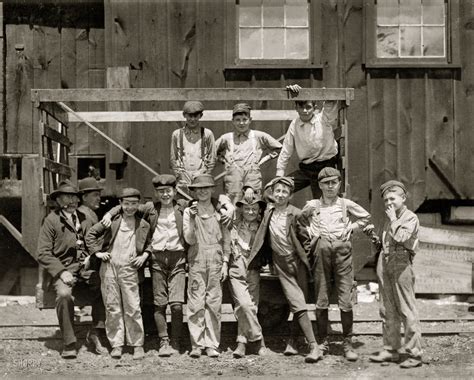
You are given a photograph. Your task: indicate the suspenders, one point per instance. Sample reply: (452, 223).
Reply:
(181, 143)
(317, 208)
(253, 140)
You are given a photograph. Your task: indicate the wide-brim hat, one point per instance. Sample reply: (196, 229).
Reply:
(203, 180)
(64, 187)
(89, 184)
(254, 200)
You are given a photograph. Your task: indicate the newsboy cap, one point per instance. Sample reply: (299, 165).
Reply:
(129, 192)
(241, 108)
(64, 187)
(390, 184)
(88, 184)
(164, 180)
(193, 106)
(202, 180)
(328, 173)
(287, 181)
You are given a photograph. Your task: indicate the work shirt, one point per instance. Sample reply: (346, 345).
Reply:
(246, 148)
(313, 140)
(123, 248)
(401, 235)
(242, 237)
(89, 213)
(279, 241)
(166, 236)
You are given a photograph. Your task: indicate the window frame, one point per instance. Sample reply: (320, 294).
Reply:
(451, 60)
(232, 42)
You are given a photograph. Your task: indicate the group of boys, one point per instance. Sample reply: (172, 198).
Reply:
(234, 237)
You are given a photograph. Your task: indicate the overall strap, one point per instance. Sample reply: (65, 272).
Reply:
(180, 144)
(344, 211)
(203, 151)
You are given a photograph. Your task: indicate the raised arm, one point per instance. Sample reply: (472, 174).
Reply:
(286, 150)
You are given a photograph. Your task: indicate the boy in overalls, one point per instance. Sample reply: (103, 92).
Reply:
(242, 152)
(193, 150)
(398, 303)
(208, 258)
(325, 231)
(122, 251)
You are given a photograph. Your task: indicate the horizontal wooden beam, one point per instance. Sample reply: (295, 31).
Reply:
(445, 236)
(183, 94)
(56, 167)
(149, 116)
(56, 136)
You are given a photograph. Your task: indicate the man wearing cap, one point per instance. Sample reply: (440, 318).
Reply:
(325, 228)
(62, 251)
(277, 236)
(123, 250)
(193, 150)
(398, 303)
(89, 191)
(208, 258)
(242, 153)
(244, 275)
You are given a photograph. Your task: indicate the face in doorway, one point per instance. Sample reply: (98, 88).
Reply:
(330, 188)
(203, 193)
(192, 119)
(282, 194)
(250, 212)
(241, 122)
(129, 205)
(91, 199)
(68, 202)
(165, 195)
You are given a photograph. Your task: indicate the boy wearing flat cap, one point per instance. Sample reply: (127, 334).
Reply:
(242, 153)
(277, 234)
(244, 276)
(89, 191)
(123, 250)
(167, 259)
(325, 228)
(62, 252)
(398, 303)
(193, 150)
(208, 258)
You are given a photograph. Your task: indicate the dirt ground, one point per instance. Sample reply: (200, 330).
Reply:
(34, 351)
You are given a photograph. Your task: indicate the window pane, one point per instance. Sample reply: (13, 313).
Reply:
(297, 43)
(387, 42)
(410, 41)
(433, 12)
(410, 11)
(250, 43)
(297, 13)
(387, 12)
(273, 43)
(250, 12)
(433, 41)
(273, 13)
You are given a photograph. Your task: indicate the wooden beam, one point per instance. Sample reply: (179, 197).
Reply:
(55, 111)
(56, 167)
(12, 229)
(184, 94)
(56, 136)
(148, 116)
(446, 237)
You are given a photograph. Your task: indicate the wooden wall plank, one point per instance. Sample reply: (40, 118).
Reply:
(82, 138)
(2, 83)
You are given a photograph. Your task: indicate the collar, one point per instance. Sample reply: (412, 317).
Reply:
(329, 204)
(242, 134)
(311, 122)
(189, 131)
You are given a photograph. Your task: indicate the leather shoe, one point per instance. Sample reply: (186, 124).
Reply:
(195, 353)
(212, 352)
(239, 352)
(93, 341)
(138, 353)
(385, 356)
(116, 352)
(349, 352)
(165, 349)
(411, 363)
(69, 351)
(314, 354)
(290, 348)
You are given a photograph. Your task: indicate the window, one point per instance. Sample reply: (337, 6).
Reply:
(413, 32)
(266, 32)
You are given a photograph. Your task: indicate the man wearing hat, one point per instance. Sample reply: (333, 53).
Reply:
(398, 303)
(123, 251)
(244, 275)
(325, 228)
(89, 191)
(242, 153)
(193, 150)
(62, 251)
(208, 258)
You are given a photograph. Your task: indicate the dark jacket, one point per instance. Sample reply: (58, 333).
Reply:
(261, 238)
(57, 239)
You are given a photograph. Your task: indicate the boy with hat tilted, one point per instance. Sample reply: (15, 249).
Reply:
(277, 234)
(398, 303)
(89, 191)
(123, 251)
(208, 258)
(244, 275)
(242, 152)
(193, 150)
(325, 229)
(62, 252)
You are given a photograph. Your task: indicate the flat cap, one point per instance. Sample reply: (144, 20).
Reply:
(193, 106)
(288, 181)
(64, 187)
(164, 180)
(202, 180)
(390, 184)
(89, 184)
(129, 192)
(328, 174)
(241, 108)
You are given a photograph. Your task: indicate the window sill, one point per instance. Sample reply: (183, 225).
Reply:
(412, 65)
(275, 66)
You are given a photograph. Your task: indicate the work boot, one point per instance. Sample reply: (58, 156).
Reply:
(262, 349)
(69, 351)
(94, 342)
(323, 345)
(195, 353)
(175, 346)
(322, 321)
(290, 348)
(314, 354)
(349, 352)
(116, 352)
(212, 352)
(385, 356)
(165, 349)
(239, 352)
(138, 353)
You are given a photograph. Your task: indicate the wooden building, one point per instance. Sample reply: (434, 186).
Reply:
(411, 64)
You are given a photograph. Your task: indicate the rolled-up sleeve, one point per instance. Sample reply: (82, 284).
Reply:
(189, 226)
(286, 150)
(362, 217)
